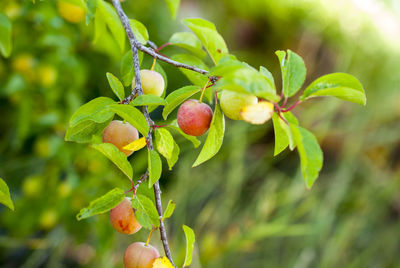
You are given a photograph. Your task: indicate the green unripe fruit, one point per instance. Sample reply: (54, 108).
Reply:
(138, 255)
(233, 102)
(152, 82)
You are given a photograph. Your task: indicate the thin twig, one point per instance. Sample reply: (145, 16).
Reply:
(160, 57)
(142, 179)
(135, 45)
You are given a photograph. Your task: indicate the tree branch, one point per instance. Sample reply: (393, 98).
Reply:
(154, 54)
(135, 45)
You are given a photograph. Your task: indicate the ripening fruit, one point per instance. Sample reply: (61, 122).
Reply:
(138, 255)
(120, 134)
(70, 12)
(194, 118)
(152, 82)
(233, 102)
(123, 218)
(258, 113)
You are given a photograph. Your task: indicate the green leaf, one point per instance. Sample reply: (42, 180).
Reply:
(143, 100)
(95, 110)
(5, 35)
(112, 22)
(103, 40)
(190, 239)
(85, 132)
(281, 138)
(194, 140)
(145, 211)
(127, 70)
(116, 86)
(241, 77)
(340, 85)
(139, 30)
(5, 197)
(133, 116)
(209, 37)
(194, 77)
(189, 42)
(102, 204)
(283, 135)
(214, 139)
(264, 71)
(293, 72)
(155, 167)
(178, 96)
(91, 10)
(117, 157)
(167, 146)
(173, 6)
(169, 210)
(311, 156)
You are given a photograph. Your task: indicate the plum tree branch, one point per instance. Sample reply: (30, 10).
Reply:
(135, 45)
(154, 54)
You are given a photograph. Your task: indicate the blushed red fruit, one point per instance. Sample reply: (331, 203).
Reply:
(194, 118)
(138, 255)
(123, 218)
(120, 134)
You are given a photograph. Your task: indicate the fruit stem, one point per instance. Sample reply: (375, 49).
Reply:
(291, 107)
(285, 102)
(154, 64)
(162, 46)
(279, 111)
(204, 90)
(148, 238)
(156, 126)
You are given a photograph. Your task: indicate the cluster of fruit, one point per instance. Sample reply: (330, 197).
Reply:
(194, 117)
(138, 254)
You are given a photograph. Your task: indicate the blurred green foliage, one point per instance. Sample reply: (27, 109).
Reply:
(247, 208)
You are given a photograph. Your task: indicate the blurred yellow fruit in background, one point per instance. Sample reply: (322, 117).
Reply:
(24, 64)
(70, 12)
(48, 219)
(47, 75)
(32, 186)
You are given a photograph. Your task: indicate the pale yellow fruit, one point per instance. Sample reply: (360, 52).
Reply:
(257, 113)
(233, 102)
(152, 82)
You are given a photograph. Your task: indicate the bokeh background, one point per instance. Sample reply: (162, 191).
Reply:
(248, 208)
